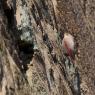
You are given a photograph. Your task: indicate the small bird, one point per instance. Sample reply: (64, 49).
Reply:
(68, 45)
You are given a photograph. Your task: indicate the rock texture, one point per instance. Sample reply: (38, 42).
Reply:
(32, 57)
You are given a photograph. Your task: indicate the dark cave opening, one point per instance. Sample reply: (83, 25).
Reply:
(26, 53)
(25, 47)
(9, 13)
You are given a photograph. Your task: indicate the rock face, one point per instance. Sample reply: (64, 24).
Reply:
(32, 57)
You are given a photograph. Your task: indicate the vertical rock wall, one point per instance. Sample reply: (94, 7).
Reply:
(32, 58)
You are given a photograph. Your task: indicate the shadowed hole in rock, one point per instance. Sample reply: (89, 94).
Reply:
(10, 16)
(26, 53)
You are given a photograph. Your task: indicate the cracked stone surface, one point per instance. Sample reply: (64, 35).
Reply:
(32, 57)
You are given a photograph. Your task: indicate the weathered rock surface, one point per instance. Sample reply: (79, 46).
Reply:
(32, 58)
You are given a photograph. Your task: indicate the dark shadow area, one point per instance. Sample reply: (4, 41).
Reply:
(24, 49)
(10, 16)
(76, 89)
(25, 53)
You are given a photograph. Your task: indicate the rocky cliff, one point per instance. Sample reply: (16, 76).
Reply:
(32, 57)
